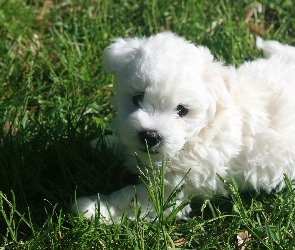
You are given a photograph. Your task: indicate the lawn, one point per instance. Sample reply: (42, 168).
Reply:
(55, 99)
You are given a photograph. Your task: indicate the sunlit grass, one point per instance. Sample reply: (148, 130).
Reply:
(55, 99)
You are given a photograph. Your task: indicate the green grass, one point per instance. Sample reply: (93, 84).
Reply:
(54, 99)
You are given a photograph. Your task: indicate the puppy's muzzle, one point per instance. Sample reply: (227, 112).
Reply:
(151, 138)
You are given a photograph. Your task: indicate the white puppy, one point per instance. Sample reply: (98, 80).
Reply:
(201, 115)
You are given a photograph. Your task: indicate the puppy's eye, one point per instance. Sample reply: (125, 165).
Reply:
(137, 99)
(181, 110)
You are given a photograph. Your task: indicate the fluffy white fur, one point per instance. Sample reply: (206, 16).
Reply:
(241, 120)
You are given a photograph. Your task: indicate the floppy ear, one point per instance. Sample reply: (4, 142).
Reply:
(220, 79)
(119, 53)
(223, 89)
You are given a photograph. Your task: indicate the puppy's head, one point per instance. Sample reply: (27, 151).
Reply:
(166, 92)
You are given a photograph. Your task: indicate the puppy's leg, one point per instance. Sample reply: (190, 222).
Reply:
(113, 206)
(117, 202)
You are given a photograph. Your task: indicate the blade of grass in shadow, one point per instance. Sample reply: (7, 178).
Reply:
(237, 201)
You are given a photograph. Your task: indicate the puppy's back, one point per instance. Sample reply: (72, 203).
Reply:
(271, 47)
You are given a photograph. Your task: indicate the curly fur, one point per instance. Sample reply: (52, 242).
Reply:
(238, 120)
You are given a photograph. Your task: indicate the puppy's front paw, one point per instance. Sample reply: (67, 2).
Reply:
(90, 207)
(113, 206)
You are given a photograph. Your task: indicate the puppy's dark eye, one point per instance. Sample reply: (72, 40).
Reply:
(137, 99)
(181, 110)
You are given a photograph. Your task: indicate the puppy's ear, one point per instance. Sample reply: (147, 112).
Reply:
(220, 79)
(120, 53)
(223, 91)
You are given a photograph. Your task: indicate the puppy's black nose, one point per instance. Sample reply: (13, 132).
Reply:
(151, 137)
